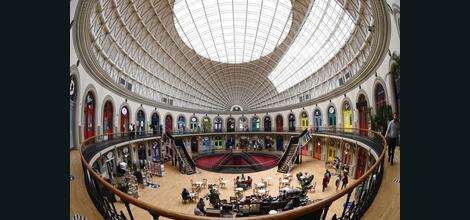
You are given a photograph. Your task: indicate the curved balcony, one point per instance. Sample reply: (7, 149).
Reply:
(365, 187)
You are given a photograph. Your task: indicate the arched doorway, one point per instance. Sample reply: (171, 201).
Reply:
(108, 120)
(268, 142)
(194, 144)
(155, 124)
(206, 144)
(347, 152)
(280, 143)
(206, 125)
(267, 124)
(72, 103)
(218, 143)
(243, 124)
(230, 125)
(140, 123)
(331, 117)
(347, 117)
(279, 123)
(255, 124)
(169, 124)
(317, 149)
(331, 150)
(291, 122)
(218, 124)
(362, 107)
(361, 162)
(181, 124)
(124, 126)
(317, 119)
(303, 121)
(193, 124)
(89, 116)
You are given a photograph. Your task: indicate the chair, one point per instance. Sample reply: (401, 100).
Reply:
(204, 183)
(313, 187)
(185, 198)
(233, 199)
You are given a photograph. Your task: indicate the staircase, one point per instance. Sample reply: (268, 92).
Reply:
(291, 155)
(190, 166)
(288, 156)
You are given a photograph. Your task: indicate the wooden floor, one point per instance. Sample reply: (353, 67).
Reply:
(168, 196)
(386, 204)
(80, 202)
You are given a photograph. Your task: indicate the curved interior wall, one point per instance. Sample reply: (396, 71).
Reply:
(86, 83)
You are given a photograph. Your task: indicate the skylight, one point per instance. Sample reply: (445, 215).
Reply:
(232, 31)
(324, 32)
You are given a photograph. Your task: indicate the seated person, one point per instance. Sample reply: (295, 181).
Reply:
(201, 206)
(185, 194)
(289, 206)
(249, 181)
(198, 212)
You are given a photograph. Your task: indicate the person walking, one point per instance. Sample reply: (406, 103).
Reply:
(391, 135)
(328, 175)
(325, 182)
(345, 182)
(338, 180)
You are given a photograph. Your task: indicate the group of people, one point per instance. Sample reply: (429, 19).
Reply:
(339, 179)
(246, 182)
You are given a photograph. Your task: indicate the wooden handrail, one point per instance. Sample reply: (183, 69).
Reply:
(300, 211)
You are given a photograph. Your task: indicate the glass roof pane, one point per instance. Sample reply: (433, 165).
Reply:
(326, 29)
(244, 32)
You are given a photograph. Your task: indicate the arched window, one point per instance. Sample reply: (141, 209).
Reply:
(73, 99)
(267, 123)
(206, 125)
(140, 122)
(243, 124)
(279, 123)
(89, 112)
(155, 124)
(291, 122)
(124, 126)
(331, 117)
(108, 119)
(169, 124)
(303, 121)
(193, 124)
(230, 125)
(181, 123)
(347, 117)
(379, 96)
(255, 124)
(362, 107)
(218, 124)
(317, 119)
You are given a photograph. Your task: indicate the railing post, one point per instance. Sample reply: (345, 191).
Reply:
(346, 204)
(155, 217)
(129, 210)
(325, 211)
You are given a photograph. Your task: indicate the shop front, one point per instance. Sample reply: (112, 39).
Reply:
(89, 113)
(230, 125)
(218, 124)
(347, 117)
(267, 124)
(303, 121)
(291, 122)
(140, 123)
(317, 119)
(331, 117)
(279, 123)
(124, 125)
(108, 120)
(363, 121)
(317, 148)
(169, 124)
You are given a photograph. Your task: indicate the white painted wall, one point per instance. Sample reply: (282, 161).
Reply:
(86, 83)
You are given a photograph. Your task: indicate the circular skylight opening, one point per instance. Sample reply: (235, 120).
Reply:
(232, 31)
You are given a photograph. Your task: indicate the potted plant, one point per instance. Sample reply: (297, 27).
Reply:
(305, 183)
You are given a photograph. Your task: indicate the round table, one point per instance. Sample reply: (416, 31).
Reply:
(268, 179)
(302, 177)
(198, 182)
(285, 189)
(260, 185)
(287, 175)
(261, 191)
(284, 181)
(239, 189)
(272, 212)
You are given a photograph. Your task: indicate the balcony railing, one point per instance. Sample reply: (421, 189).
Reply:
(366, 186)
